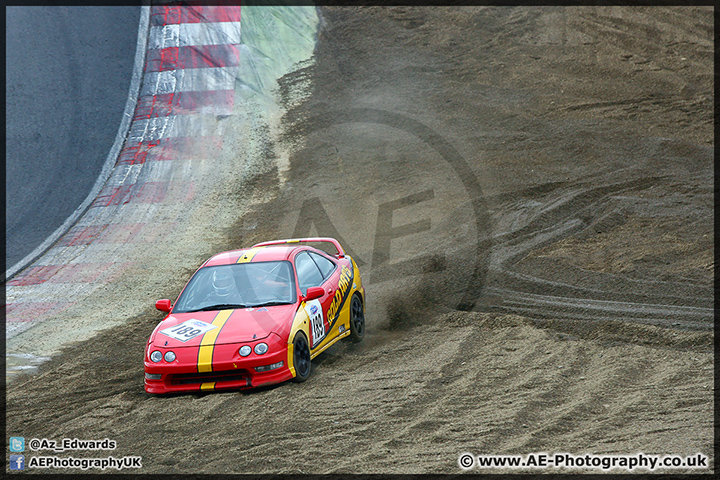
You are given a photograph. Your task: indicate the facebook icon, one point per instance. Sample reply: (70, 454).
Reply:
(17, 462)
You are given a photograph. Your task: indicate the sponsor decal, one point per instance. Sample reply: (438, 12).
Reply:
(344, 286)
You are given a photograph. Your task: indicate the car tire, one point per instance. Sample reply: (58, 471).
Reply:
(357, 319)
(301, 358)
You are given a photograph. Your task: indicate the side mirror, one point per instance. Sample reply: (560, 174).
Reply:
(163, 305)
(313, 293)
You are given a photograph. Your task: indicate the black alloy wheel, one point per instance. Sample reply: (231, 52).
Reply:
(357, 319)
(301, 358)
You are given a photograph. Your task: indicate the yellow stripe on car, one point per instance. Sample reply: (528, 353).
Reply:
(207, 344)
(208, 386)
(248, 256)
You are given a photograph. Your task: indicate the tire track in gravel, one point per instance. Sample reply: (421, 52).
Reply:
(538, 218)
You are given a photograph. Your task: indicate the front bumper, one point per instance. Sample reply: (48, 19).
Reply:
(228, 370)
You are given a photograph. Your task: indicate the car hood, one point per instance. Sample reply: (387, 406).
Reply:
(230, 326)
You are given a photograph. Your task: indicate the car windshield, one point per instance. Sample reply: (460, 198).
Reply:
(238, 285)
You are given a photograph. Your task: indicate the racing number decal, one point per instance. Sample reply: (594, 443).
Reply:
(317, 322)
(187, 330)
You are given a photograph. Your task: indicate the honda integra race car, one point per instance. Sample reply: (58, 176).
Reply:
(256, 317)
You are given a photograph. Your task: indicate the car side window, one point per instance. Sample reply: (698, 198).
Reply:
(326, 266)
(308, 273)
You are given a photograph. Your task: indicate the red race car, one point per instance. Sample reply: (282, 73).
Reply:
(256, 317)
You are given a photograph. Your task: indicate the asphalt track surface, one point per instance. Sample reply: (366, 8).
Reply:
(68, 73)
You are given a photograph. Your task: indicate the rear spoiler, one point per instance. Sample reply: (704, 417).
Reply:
(336, 244)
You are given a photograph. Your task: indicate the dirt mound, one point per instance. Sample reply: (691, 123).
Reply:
(404, 401)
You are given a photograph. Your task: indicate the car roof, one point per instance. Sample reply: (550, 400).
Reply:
(258, 254)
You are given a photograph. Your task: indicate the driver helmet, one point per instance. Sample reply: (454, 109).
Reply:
(223, 282)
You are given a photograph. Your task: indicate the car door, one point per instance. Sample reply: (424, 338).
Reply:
(311, 275)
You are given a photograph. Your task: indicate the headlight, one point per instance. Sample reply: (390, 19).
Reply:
(156, 356)
(245, 350)
(261, 348)
(169, 356)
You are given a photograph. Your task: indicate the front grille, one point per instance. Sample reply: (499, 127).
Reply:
(208, 377)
